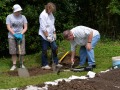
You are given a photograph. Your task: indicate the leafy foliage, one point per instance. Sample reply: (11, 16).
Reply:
(114, 7)
(102, 15)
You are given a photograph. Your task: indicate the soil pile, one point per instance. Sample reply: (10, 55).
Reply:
(102, 81)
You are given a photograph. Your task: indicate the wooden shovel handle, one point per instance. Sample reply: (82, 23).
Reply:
(64, 56)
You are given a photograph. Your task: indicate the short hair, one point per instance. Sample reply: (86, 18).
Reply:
(66, 34)
(51, 6)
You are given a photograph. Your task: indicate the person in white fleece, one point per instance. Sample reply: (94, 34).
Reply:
(87, 38)
(47, 34)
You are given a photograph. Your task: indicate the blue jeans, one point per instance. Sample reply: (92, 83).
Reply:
(45, 44)
(84, 53)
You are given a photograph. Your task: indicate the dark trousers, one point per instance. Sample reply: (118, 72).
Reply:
(45, 46)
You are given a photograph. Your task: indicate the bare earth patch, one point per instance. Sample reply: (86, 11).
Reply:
(39, 71)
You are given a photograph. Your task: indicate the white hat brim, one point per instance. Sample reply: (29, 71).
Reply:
(19, 9)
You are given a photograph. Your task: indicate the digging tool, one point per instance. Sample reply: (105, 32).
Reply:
(82, 69)
(75, 70)
(58, 71)
(59, 68)
(64, 56)
(53, 63)
(22, 72)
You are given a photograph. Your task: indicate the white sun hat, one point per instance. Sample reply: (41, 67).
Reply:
(17, 8)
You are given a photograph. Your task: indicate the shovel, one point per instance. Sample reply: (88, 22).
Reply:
(64, 56)
(53, 63)
(71, 68)
(82, 69)
(59, 68)
(22, 72)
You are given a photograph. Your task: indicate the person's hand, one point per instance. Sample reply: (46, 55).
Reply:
(72, 61)
(88, 46)
(49, 39)
(54, 35)
(15, 36)
(20, 36)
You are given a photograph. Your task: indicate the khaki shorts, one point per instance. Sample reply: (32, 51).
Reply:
(13, 47)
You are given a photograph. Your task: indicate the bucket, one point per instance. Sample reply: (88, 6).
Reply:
(116, 61)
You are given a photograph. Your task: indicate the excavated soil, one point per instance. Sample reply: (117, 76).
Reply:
(102, 81)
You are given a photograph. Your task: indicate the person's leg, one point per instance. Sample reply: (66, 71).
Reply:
(91, 59)
(83, 55)
(13, 52)
(14, 58)
(54, 52)
(44, 45)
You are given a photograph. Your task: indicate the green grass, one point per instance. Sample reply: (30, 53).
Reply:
(104, 52)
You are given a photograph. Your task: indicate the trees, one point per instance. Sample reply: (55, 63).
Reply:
(99, 14)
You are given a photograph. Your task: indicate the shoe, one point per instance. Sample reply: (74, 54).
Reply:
(13, 68)
(94, 66)
(46, 67)
(59, 65)
(23, 66)
(89, 68)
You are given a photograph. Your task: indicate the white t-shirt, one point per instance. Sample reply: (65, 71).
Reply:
(16, 23)
(81, 34)
(46, 24)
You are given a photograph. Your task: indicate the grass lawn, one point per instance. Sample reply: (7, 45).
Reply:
(104, 52)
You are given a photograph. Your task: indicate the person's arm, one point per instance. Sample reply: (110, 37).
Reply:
(45, 33)
(73, 47)
(24, 28)
(72, 56)
(88, 45)
(43, 25)
(54, 34)
(10, 29)
(24, 25)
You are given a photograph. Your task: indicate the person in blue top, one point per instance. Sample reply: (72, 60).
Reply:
(17, 26)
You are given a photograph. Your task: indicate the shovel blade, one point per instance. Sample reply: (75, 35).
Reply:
(53, 67)
(23, 72)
